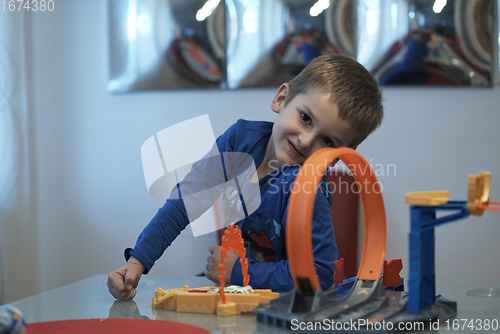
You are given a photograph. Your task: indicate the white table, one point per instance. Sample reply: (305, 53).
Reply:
(90, 298)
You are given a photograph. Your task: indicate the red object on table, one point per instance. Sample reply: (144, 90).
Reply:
(391, 273)
(113, 326)
(338, 276)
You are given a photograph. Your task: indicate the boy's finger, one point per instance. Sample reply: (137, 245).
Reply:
(124, 296)
(117, 285)
(115, 281)
(117, 293)
(213, 248)
(211, 277)
(210, 258)
(131, 278)
(129, 294)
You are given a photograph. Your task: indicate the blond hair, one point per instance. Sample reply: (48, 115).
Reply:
(352, 88)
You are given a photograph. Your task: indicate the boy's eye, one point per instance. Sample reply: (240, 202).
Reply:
(328, 141)
(305, 118)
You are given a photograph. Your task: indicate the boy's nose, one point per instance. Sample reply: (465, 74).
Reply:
(306, 140)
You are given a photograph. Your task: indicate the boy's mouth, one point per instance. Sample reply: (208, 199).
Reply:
(293, 149)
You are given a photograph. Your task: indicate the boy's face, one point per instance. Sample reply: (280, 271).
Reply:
(307, 123)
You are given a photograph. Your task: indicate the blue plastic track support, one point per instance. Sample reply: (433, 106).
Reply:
(422, 279)
(421, 252)
(429, 277)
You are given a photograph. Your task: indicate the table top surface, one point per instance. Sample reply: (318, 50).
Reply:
(89, 298)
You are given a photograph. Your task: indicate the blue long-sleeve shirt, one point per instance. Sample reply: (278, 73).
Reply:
(263, 230)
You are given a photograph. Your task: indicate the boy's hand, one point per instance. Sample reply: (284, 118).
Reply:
(122, 282)
(214, 260)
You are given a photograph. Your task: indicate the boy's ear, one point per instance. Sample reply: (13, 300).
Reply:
(280, 97)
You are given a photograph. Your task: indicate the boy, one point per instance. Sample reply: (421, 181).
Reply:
(333, 102)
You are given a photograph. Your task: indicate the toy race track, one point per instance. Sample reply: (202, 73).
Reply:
(368, 304)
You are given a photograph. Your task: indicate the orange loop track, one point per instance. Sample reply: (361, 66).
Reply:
(300, 211)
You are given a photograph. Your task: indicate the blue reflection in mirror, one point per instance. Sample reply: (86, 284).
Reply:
(427, 42)
(271, 41)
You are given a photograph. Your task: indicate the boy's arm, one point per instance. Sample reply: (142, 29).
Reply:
(196, 193)
(169, 221)
(161, 231)
(277, 276)
(200, 186)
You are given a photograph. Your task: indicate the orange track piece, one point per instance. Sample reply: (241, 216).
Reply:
(232, 240)
(300, 210)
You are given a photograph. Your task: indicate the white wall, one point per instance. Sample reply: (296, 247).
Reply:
(89, 196)
(92, 200)
(436, 137)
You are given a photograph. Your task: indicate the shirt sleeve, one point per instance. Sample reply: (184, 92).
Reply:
(200, 187)
(276, 275)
